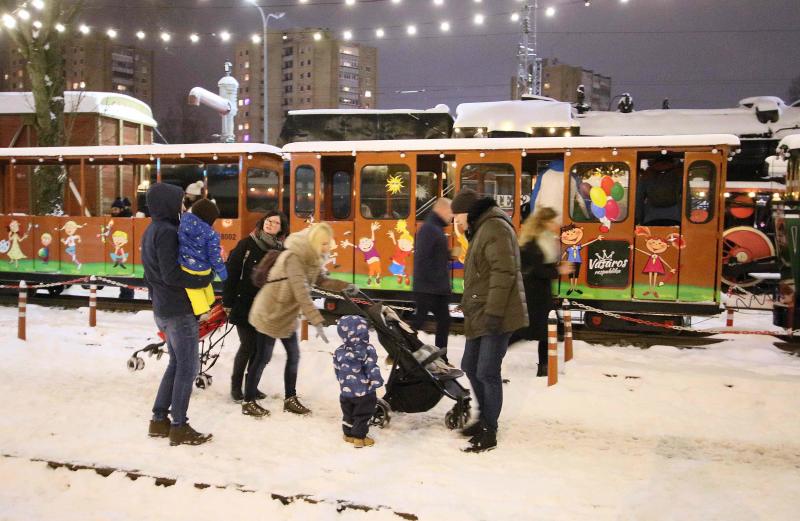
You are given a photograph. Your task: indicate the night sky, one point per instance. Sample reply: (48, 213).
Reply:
(699, 53)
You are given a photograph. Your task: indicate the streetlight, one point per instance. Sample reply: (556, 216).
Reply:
(265, 22)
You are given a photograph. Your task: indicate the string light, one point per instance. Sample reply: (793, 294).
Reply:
(225, 36)
(141, 35)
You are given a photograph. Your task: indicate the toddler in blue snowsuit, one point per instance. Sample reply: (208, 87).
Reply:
(356, 366)
(199, 251)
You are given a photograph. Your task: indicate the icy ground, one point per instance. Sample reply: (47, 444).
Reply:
(627, 434)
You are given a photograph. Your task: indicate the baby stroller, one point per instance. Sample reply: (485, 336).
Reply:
(209, 324)
(418, 379)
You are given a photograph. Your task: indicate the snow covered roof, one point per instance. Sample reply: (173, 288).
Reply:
(528, 143)
(127, 151)
(109, 104)
(790, 142)
(438, 109)
(515, 116)
(741, 121)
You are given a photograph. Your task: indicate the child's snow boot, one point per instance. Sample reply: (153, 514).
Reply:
(360, 443)
(293, 405)
(185, 435)
(348, 439)
(159, 428)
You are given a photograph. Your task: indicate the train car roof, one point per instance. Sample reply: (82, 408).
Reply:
(109, 104)
(790, 142)
(136, 153)
(548, 143)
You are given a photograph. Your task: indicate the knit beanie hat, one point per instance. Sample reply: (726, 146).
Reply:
(206, 210)
(464, 200)
(195, 188)
(117, 203)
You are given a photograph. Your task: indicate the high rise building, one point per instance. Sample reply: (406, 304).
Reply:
(307, 69)
(561, 81)
(92, 63)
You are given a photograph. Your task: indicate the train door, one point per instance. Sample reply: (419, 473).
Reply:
(337, 175)
(701, 228)
(658, 243)
(304, 201)
(383, 240)
(597, 232)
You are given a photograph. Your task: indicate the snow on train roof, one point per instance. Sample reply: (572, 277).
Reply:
(438, 109)
(143, 150)
(520, 116)
(528, 143)
(790, 142)
(109, 104)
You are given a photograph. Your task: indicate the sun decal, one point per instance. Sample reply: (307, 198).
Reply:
(394, 184)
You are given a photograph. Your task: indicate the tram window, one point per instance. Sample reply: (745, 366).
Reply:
(659, 192)
(427, 192)
(341, 202)
(598, 192)
(385, 192)
(700, 187)
(263, 190)
(491, 180)
(223, 187)
(304, 191)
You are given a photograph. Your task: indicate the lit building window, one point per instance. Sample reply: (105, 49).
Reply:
(246, 138)
(247, 64)
(368, 94)
(247, 101)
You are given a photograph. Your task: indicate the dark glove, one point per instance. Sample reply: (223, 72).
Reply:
(351, 290)
(493, 324)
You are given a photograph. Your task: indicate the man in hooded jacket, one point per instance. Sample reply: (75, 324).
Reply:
(493, 303)
(173, 314)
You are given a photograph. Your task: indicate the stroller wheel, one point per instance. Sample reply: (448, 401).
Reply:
(135, 364)
(203, 381)
(381, 418)
(457, 417)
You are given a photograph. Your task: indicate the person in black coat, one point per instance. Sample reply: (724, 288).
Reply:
(431, 273)
(238, 291)
(539, 253)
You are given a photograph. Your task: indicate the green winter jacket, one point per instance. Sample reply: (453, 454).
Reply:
(492, 279)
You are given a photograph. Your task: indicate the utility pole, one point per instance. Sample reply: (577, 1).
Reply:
(529, 65)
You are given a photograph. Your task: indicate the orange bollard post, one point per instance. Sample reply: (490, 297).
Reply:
(552, 349)
(729, 318)
(92, 302)
(304, 330)
(23, 306)
(567, 310)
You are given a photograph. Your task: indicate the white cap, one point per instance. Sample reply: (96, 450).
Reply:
(195, 188)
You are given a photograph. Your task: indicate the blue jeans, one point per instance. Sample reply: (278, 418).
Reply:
(184, 363)
(482, 361)
(264, 347)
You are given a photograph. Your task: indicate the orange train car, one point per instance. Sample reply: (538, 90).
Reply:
(376, 193)
(245, 180)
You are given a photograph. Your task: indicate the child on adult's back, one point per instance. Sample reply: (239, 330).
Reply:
(200, 251)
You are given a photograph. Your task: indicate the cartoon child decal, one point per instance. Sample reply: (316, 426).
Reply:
(656, 246)
(120, 257)
(15, 252)
(44, 252)
(366, 245)
(72, 240)
(404, 246)
(460, 251)
(332, 257)
(571, 237)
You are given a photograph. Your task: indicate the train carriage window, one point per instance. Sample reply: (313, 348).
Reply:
(491, 180)
(341, 200)
(700, 187)
(304, 191)
(427, 192)
(599, 192)
(263, 190)
(385, 192)
(222, 182)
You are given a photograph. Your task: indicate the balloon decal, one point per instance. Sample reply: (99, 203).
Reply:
(605, 200)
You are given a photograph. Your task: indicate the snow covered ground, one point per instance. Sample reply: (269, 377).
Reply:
(627, 434)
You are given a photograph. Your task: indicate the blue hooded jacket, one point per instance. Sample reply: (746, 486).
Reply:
(163, 275)
(356, 361)
(199, 246)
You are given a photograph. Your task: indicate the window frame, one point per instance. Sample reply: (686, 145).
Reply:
(248, 186)
(349, 176)
(712, 206)
(571, 195)
(514, 182)
(313, 170)
(407, 170)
